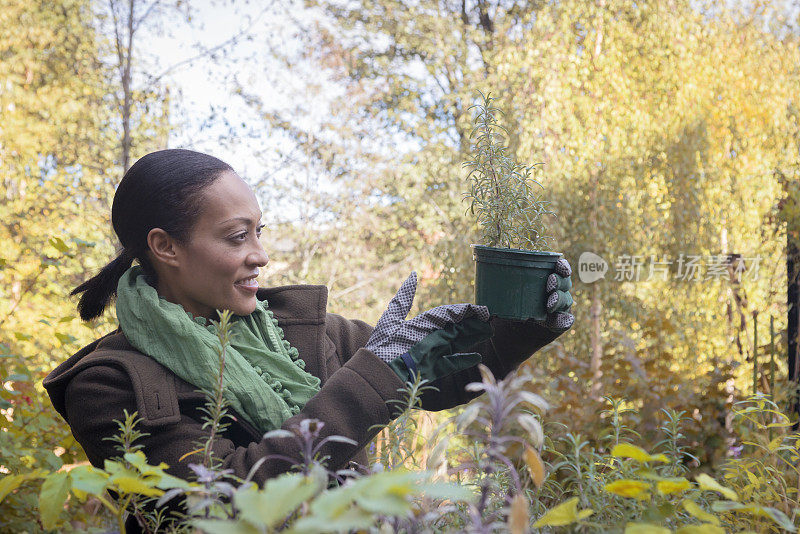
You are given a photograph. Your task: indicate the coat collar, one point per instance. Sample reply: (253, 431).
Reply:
(297, 304)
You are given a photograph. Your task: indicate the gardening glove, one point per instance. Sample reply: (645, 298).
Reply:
(559, 319)
(431, 343)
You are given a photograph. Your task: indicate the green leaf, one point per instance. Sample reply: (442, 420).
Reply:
(355, 505)
(219, 526)
(83, 243)
(775, 443)
(53, 495)
(448, 490)
(344, 521)
(756, 510)
(387, 492)
(168, 481)
(705, 528)
(135, 484)
(17, 377)
(22, 337)
(155, 474)
(88, 480)
(126, 480)
(645, 528)
(11, 482)
(65, 338)
(281, 496)
(138, 460)
(59, 244)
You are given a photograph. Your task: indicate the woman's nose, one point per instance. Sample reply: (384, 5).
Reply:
(258, 256)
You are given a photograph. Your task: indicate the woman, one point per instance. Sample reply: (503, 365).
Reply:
(193, 226)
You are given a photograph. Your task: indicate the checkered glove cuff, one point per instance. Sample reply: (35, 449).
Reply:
(393, 335)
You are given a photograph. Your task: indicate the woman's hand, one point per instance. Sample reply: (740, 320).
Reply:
(432, 343)
(558, 299)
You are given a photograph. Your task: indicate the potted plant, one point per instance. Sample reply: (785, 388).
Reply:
(511, 265)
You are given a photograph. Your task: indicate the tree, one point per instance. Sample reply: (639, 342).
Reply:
(659, 123)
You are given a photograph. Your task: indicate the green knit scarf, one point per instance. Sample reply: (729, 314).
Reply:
(264, 377)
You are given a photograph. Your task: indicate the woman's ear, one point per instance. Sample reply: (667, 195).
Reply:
(162, 247)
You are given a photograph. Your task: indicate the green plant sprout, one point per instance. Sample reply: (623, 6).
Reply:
(503, 194)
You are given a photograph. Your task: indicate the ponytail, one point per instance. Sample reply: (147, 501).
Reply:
(101, 288)
(161, 190)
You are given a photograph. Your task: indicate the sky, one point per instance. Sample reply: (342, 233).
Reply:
(206, 115)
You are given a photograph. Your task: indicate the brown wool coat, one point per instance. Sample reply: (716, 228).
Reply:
(93, 387)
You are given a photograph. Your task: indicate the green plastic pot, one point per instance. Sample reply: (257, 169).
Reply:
(512, 283)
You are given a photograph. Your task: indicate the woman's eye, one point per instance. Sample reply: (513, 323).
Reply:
(243, 235)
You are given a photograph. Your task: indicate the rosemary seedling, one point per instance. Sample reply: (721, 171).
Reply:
(503, 194)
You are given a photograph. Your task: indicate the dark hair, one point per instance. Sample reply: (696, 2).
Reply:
(160, 190)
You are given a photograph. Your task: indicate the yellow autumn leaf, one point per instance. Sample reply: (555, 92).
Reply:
(645, 528)
(196, 451)
(629, 488)
(694, 509)
(565, 513)
(708, 483)
(518, 516)
(128, 484)
(626, 450)
(775, 443)
(669, 486)
(535, 466)
(705, 528)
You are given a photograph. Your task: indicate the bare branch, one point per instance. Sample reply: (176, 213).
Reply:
(207, 52)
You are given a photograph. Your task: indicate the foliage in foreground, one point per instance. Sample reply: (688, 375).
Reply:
(498, 471)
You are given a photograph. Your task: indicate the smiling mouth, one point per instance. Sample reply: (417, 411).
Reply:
(248, 283)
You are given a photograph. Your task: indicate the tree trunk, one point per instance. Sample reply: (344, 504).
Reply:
(597, 348)
(793, 305)
(127, 95)
(124, 29)
(596, 306)
(736, 267)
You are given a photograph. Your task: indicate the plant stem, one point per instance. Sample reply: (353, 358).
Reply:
(121, 514)
(223, 334)
(491, 162)
(218, 403)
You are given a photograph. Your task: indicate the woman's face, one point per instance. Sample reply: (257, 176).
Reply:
(218, 266)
